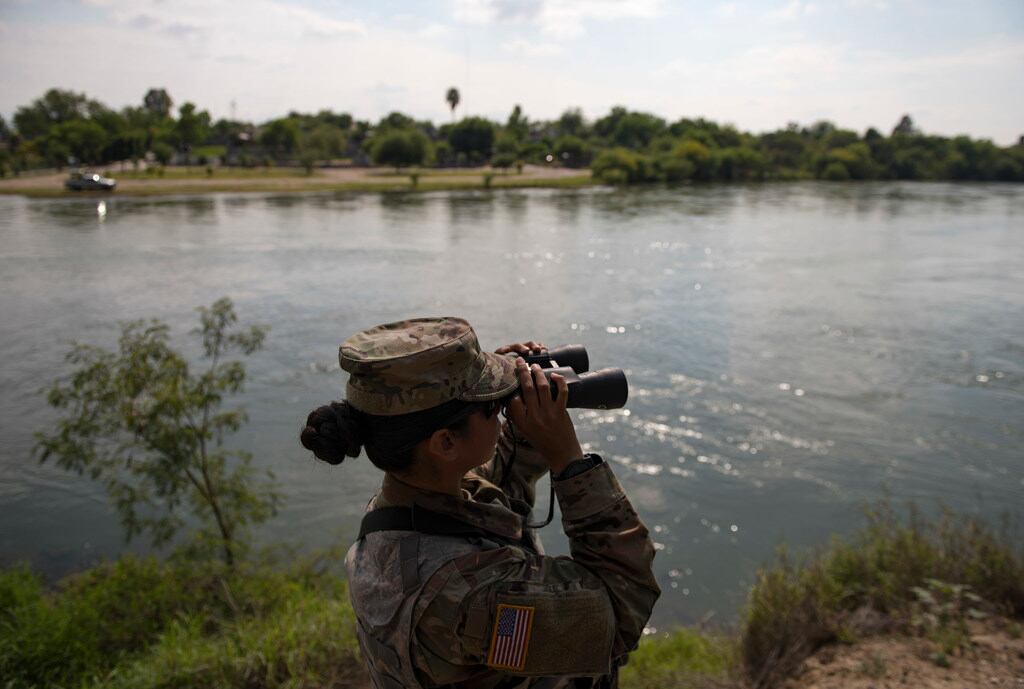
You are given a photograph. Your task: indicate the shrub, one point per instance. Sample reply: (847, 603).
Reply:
(622, 166)
(835, 172)
(400, 147)
(794, 609)
(138, 622)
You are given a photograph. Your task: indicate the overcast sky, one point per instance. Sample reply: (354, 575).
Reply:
(955, 67)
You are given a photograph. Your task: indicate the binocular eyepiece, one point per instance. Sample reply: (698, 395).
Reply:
(603, 389)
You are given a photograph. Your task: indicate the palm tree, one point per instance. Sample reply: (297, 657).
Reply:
(453, 100)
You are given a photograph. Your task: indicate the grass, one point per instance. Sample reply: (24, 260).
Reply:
(681, 659)
(139, 622)
(143, 623)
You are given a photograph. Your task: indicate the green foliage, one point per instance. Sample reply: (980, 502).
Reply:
(941, 610)
(61, 123)
(518, 126)
(622, 166)
(157, 103)
(83, 139)
(140, 420)
(473, 137)
(794, 609)
(54, 107)
(452, 98)
(192, 127)
(400, 147)
(163, 153)
(280, 136)
(572, 151)
(138, 622)
(835, 172)
(325, 142)
(684, 658)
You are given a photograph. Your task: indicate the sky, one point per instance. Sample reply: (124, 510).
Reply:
(955, 67)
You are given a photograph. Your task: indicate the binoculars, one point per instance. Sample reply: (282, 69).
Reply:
(604, 389)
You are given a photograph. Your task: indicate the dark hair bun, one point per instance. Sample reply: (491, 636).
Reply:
(333, 432)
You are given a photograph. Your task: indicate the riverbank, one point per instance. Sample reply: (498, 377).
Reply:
(196, 180)
(936, 603)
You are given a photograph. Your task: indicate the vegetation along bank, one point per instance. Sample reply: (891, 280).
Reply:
(934, 601)
(162, 143)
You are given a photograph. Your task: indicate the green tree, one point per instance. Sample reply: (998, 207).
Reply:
(452, 97)
(192, 127)
(399, 148)
(473, 137)
(571, 123)
(396, 120)
(56, 106)
(142, 421)
(326, 142)
(636, 129)
(622, 166)
(162, 152)
(699, 157)
(905, 127)
(571, 151)
(518, 126)
(157, 103)
(281, 137)
(739, 164)
(83, 139)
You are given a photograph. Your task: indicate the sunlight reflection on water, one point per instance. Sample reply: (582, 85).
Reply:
(792, 350)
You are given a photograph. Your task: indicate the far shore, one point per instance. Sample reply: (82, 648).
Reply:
(195, 180)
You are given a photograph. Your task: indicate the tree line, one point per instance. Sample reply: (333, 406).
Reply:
(622, 147)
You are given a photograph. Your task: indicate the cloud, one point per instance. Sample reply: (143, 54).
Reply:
(521, 46)
(433, 30)
(200, 20)
(561, 18)
(726, 10)
(794, 9)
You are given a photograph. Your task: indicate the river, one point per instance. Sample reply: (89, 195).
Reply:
(794, 350)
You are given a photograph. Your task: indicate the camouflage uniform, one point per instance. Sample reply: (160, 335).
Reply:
(434, 610)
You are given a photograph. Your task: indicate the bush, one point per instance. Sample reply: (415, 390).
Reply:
(138, 622)
(794, 609)
(682, 658)
(699, 156)
(835, 172)
(622, 166)
(472, 137)
(400, 147)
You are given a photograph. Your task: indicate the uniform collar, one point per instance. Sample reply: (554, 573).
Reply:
(494, 517)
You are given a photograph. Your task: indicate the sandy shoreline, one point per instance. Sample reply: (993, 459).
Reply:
(289, 180)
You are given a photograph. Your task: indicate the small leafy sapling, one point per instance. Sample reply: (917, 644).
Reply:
(148, 426)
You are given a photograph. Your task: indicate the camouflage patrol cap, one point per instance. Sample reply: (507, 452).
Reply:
(416, 364)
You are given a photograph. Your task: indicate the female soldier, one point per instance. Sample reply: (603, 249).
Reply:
(449, 584)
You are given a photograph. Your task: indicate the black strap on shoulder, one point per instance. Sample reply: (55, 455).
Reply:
(418, 519)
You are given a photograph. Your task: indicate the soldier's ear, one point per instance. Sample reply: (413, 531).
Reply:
(441, 445)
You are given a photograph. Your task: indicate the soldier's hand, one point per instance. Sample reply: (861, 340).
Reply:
(521, 348)
(542, 420)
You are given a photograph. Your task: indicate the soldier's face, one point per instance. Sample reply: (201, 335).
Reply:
(478, 441)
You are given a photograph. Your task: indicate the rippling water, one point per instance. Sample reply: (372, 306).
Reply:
(793, 350)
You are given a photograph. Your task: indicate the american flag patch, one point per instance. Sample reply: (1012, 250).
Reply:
(511, 637)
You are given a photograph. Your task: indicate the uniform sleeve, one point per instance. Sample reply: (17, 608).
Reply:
(526, 614)
(519, 479)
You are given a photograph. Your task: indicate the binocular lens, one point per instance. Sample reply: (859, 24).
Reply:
(604, 389)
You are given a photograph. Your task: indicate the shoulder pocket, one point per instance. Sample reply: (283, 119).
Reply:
(552, 633)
